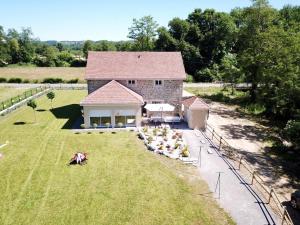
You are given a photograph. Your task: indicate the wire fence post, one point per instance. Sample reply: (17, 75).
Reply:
(240, 163)
(253, 177)
(270, 195)
(283, 215)
(199, 157)
(220, 143)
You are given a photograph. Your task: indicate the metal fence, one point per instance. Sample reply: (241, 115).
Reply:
(269, 194)
(16, 99)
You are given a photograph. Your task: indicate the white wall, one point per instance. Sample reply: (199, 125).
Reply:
(112, 110)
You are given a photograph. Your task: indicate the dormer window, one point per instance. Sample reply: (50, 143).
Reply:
(158, 82)
(131, 82)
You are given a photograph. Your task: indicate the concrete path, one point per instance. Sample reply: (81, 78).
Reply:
(236, 196)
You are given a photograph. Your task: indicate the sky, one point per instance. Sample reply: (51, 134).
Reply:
(102, 20)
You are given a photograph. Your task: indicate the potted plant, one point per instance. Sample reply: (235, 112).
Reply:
(95, 125)
(82, 126)
(150, 139)
(145, 129)
(120, 124)
(155, 131)
(185, 152)
(164, 132)
(176, 145)
(107, 125)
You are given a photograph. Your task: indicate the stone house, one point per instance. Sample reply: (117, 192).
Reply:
(125, 86)
(120, 84)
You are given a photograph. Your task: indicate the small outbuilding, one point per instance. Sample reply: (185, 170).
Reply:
(196, 112)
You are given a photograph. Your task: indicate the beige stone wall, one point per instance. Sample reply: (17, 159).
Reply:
(113, 109)
(169, 92)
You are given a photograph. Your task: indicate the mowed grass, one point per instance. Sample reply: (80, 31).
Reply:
(39, 73)
(7, 93)
(122, 183)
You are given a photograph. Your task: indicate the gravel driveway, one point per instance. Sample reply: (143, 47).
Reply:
(236, 194)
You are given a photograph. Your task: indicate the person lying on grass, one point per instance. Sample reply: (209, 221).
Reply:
(78, 158)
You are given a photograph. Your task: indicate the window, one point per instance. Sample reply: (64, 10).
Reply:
(157, 102)
(125, 121)
(100, 121)
(130, 120)
(131, 82)
(120, 121)
(105, 121)
(94, 120)
(158, 82)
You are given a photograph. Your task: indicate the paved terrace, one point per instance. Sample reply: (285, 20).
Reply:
(236, 196)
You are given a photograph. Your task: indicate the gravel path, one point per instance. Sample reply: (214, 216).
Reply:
(236, 196)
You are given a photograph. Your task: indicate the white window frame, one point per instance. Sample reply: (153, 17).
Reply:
(159, 85)
(131, 82)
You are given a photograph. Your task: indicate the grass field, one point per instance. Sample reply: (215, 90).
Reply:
(39, 73)
(7, 93)
(122, 183)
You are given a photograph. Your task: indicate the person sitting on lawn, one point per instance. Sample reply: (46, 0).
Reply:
(78, 158)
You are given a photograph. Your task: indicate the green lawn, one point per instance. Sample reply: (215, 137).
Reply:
(7, 93)
(122, 183)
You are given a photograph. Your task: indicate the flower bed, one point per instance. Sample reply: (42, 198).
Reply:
(163, 140)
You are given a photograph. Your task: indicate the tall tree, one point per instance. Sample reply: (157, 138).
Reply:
(14, 49)
(143, 32)
(4, 50)
(258, 18)
(87, 46)
(26, 45)
(51, 96)
(32, 104)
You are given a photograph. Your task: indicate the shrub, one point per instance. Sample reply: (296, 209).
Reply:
(150, 139)
(107, 125)
(73, 81)
(185, 152)
(3, 80)
(52, 80)
(78, 63)
(155, 131)
(26, 81)
(15, 80)
(292, 132)
(95, 125)
(165, 132)
(82, 126)
(189, 79)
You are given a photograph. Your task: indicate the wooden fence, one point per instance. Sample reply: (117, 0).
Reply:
(269, 194)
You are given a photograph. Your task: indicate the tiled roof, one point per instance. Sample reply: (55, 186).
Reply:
(113, 93)
(195, 103)
(134, 65)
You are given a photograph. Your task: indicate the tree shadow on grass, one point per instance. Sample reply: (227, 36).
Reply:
(19, 123)
(41, 110)
(70, 112)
